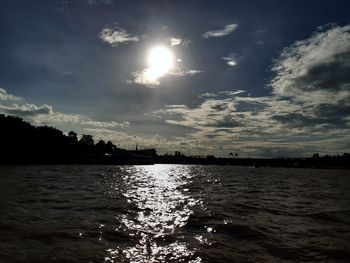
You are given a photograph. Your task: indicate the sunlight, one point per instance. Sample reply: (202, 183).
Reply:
(163, 207)
(160, 61)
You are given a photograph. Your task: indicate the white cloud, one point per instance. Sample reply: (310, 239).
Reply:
(228, 29)
(208, 95)
(116, 35)
(317, 67)
(232, 93)
(231, 60)
(211, 113)
(106, 124)
(142, 78)
(314, 74)
(175, 41)
(58, 119)
(128, 141)
(190, 72)
(4, 96)
(44, 115)
(110, 135)
(26, 110)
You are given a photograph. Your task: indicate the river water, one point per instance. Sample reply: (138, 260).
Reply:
(173, 213)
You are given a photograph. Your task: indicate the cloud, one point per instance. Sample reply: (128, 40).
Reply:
(314, 74)
(44, 115)
(190, 72)
(4, 96)
(228, 29)
(211, 113)
(142, 78)
(175, 41)
(255, 126)
(224, 92)
(104, 124)
(106, 130)
(26, 110)
(307, 111)
(208, 95)
(128, 141)
(116, 35)
(318, 64)
(57, 119)
(122, 138)
(231, 60)
(81, 121)
(232, 93)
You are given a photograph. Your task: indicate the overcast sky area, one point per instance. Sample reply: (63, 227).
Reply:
(260, 78)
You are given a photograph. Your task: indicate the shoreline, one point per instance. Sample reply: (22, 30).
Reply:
(308, 163)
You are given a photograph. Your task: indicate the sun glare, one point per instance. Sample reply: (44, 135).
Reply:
(160, 61)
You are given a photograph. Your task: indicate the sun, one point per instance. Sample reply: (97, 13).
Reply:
(160, 61)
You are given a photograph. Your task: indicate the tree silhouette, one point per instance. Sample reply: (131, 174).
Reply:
(110, 147)
(73, 137)
(20, 142)
(101, 146)
(86, 140)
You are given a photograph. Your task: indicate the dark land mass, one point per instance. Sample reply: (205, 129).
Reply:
(23, 143)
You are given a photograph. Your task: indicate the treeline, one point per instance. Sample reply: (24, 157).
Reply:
(22, 142)
(322, 162)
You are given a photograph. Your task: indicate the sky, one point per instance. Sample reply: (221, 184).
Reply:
(257, 78)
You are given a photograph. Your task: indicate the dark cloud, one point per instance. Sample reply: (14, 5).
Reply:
(323, 115)
(330, 76)
(341, 110)
(298, 120)
(316, 67)
(227, 122)
(314, 75)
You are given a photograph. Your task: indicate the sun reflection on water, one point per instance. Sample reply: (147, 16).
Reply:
(163, 207)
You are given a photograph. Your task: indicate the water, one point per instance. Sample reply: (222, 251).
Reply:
(173, 213)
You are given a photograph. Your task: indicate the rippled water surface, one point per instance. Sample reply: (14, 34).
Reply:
(173, 213)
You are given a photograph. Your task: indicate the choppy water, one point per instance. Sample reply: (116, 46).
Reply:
(173, 213)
